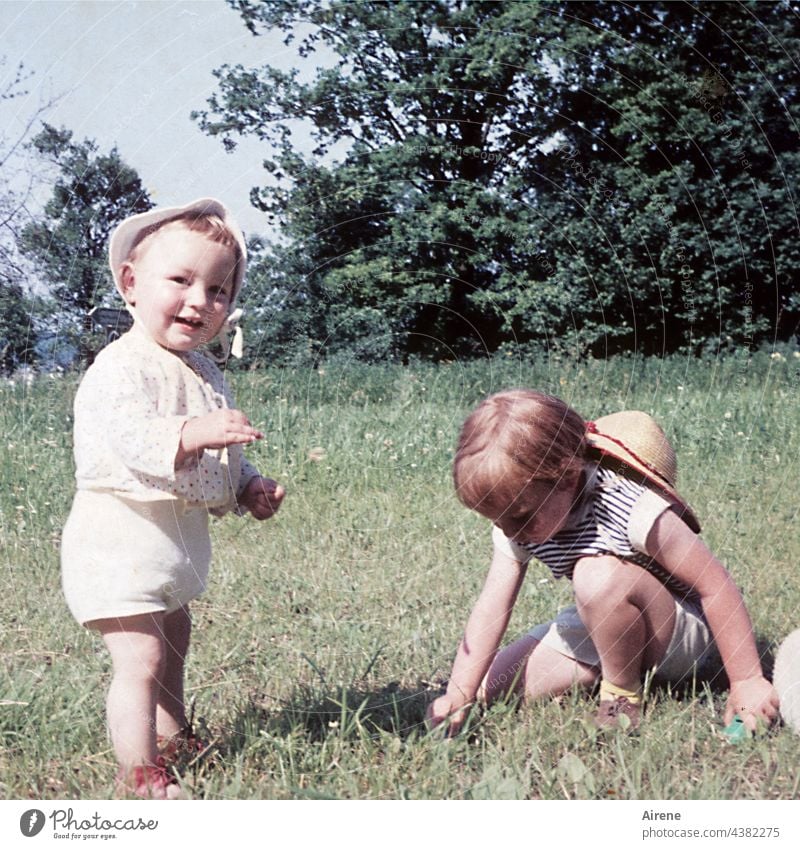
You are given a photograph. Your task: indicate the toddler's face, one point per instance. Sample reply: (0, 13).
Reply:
(539, 512)
(181, 284)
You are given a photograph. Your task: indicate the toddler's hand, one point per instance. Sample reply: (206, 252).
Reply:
(216, 430)
(447, 709)
(754, 699)
(262, 497)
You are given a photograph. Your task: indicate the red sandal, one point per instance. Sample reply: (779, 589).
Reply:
(149, 781)
(182, 748)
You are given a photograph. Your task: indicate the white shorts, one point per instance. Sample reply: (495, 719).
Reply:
(690, 646)
(122, 557)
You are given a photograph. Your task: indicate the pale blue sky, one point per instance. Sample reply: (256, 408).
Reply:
(129, 73)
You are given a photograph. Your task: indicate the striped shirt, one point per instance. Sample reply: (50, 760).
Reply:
(613, 516)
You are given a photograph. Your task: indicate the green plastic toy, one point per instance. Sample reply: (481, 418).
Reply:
(737, 731)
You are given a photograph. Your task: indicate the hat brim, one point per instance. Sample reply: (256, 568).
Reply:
(612, 456)
(124, 236)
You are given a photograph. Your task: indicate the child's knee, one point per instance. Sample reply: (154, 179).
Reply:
(144, 662)
(137, 655)
(508, 670)
(600, 581)
(495, 684)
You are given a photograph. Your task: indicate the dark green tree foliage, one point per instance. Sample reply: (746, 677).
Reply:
(678, 190)
(603, 176)
(92, 193)
(16, 305)
(16, 331)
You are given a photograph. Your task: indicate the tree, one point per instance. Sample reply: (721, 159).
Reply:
(603, 176)
(92, 193)
(383, 248)
(677, 184)
(17, 332)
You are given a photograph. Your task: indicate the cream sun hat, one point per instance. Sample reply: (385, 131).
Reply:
(125, 236)
(633, 443)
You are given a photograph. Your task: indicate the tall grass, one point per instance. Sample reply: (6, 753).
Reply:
(325, 631)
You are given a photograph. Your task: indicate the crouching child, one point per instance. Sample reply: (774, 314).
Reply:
(596, 503)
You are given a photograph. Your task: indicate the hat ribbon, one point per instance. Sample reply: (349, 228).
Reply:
(591, 427)
(235, 346)
(230, 346)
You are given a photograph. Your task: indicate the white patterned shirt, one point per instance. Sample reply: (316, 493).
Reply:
(129, 410)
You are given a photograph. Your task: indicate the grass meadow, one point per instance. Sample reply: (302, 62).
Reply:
(325, 631)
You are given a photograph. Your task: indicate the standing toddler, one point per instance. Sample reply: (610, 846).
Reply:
(158, 446)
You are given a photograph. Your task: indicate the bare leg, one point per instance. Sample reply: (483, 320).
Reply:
(529, 668)
(170, 708)
(137, 652)
(629, 613)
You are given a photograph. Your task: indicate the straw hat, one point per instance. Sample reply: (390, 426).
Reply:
(786, 678)
(633, 444)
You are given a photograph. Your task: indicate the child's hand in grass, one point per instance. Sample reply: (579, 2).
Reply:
(447, 709)
(262, 497)
(754, 700)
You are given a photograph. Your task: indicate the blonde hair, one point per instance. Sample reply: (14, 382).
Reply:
(512, 439)
(210, 225)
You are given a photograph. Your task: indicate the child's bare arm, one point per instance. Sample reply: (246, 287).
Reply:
(485, 628)
(676, 547)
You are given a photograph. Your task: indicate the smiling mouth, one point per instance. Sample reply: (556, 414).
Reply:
(193, 323)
